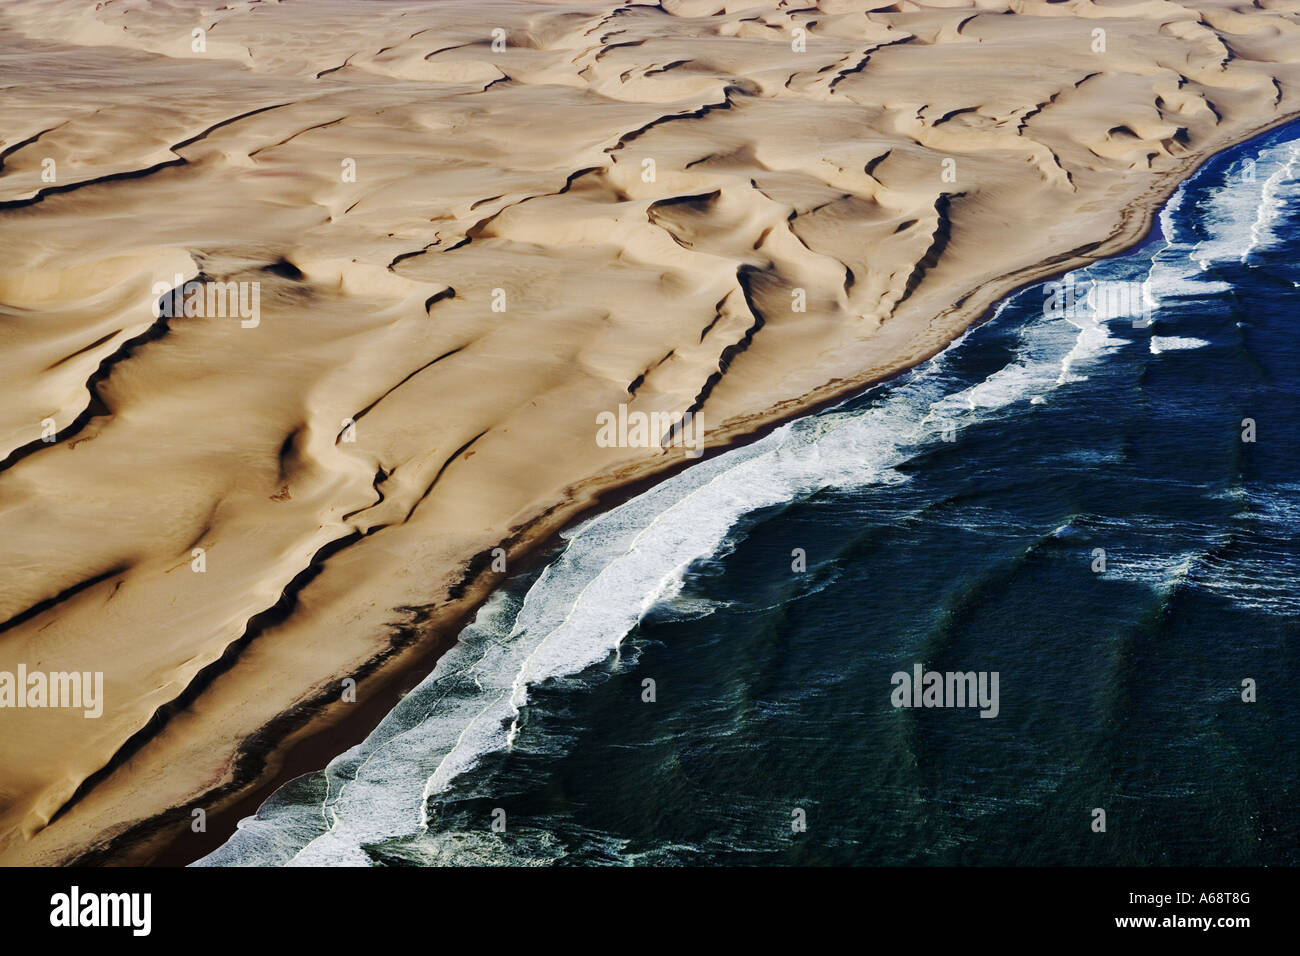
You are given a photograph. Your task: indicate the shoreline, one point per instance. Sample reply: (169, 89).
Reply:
(316, 741)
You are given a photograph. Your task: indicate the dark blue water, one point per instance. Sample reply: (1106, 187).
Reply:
(1119, 689)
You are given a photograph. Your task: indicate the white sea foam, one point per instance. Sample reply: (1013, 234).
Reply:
(1250, 561)
(1282, 186)
(1244, 212)
(1174, 343)
(1242, 215)
(1259, 574)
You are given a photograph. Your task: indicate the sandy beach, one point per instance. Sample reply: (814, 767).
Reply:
(426, 252)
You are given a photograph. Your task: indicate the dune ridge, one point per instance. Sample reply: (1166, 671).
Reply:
(467, 244)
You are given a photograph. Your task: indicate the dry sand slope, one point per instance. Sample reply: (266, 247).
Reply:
(794, 146)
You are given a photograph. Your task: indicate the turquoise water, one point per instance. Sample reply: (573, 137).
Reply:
(1119, 689)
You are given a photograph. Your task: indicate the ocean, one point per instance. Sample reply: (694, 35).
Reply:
(1102, 510)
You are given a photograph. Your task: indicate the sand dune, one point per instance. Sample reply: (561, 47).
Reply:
(466, 245)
